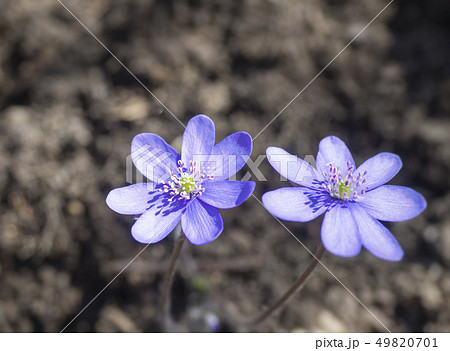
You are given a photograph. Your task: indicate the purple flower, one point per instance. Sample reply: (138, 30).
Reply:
(190, 187)
(353, 199)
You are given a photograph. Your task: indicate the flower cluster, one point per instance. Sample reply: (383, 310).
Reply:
(191, 187)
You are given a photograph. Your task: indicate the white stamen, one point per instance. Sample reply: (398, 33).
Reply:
(348, 187)
(188, 183)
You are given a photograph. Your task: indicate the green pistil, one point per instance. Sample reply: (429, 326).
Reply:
(344, 189)
(187, 184)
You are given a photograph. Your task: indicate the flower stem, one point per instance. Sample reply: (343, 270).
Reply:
(168, 280)
(292, 290)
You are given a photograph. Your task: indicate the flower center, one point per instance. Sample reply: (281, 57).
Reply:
(187, 183)
(344, 187)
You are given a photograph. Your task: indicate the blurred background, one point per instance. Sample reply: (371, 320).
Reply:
(68, 113)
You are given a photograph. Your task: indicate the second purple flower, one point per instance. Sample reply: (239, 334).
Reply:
(353, 199)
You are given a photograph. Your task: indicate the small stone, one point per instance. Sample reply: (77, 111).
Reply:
(431, 296)
(327, 322)
(118, 320)
(132, 109)
(215, 98)
(75, 208)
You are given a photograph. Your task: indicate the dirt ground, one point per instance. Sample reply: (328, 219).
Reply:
(68, 112)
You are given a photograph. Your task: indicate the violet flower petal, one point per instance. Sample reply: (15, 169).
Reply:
(198, 139)
(339, 232)
(332, 149)
(159, 220)
(393, 203)
(153, 157)
(293, 168)
(201, 223)
(375, 237)
(230, 155)
(227, 193)
(380, 169)
(130, 200)
(295, 204)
